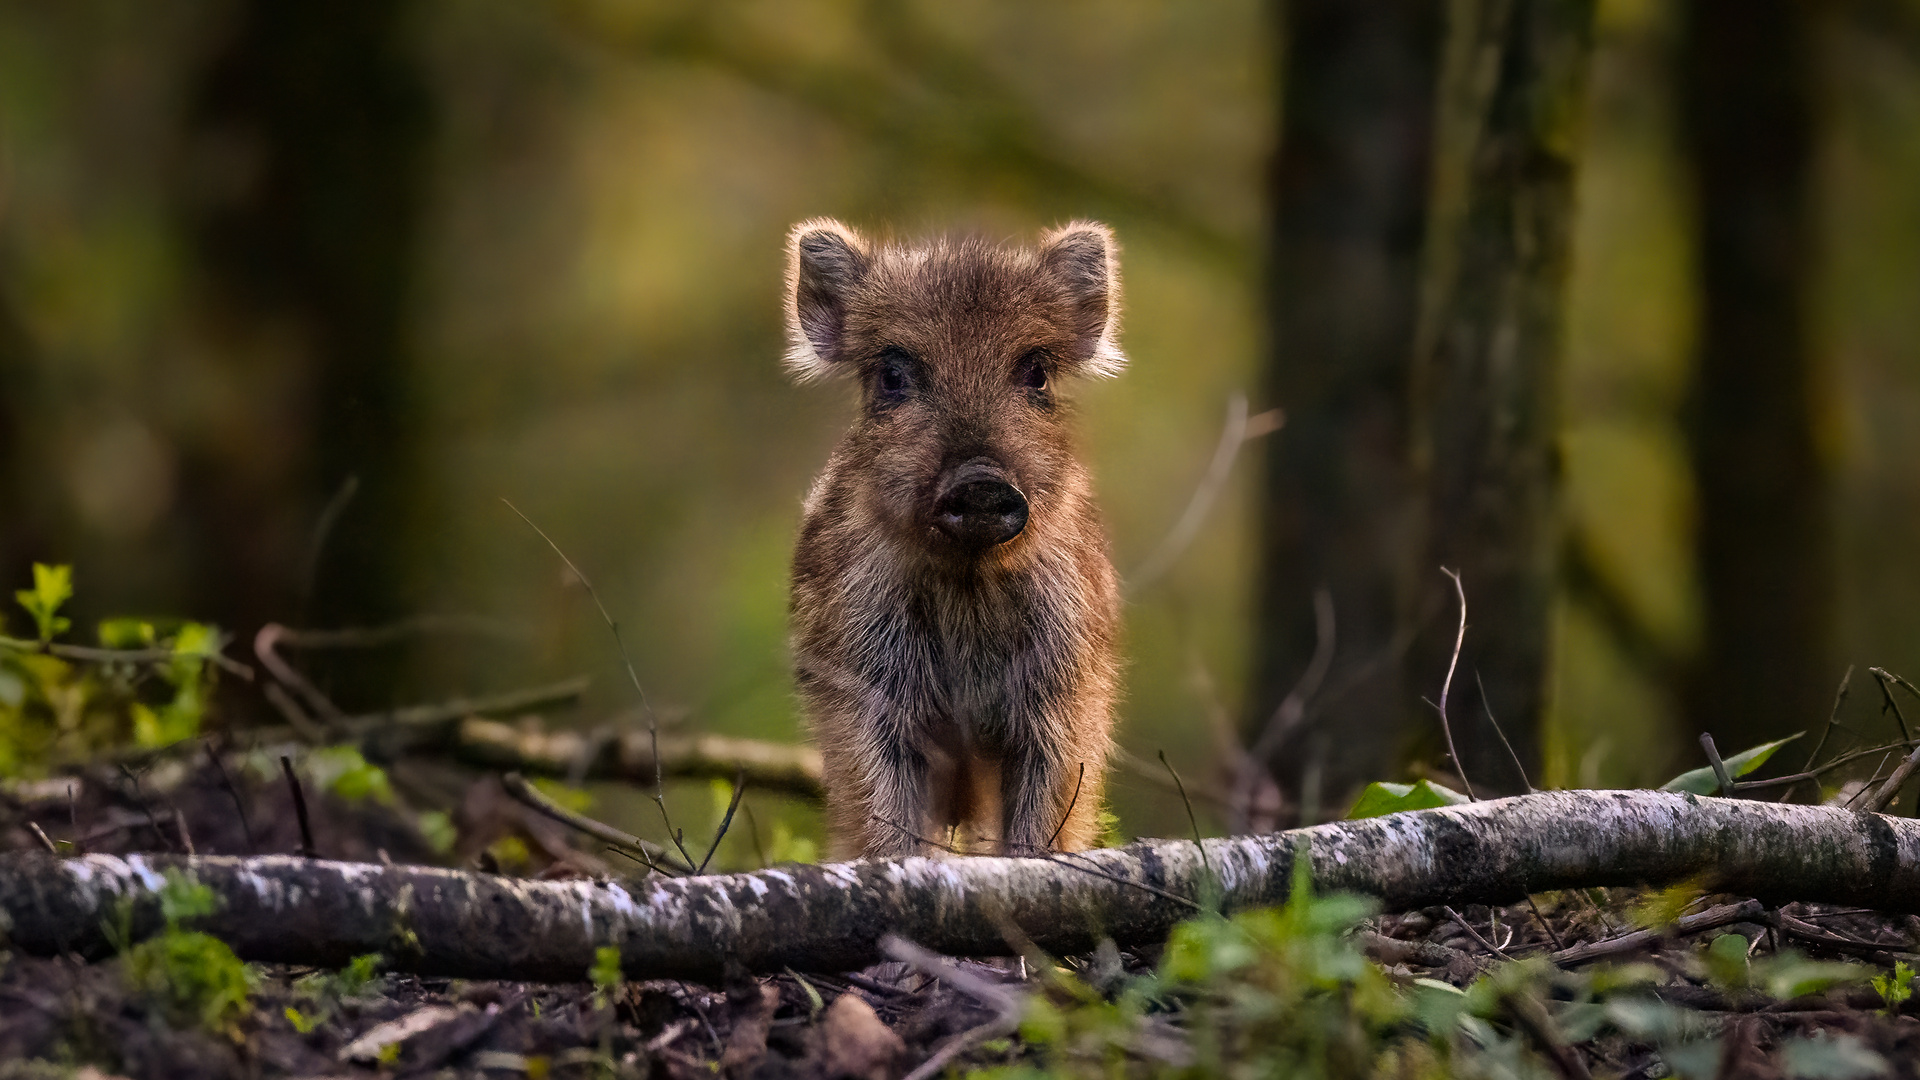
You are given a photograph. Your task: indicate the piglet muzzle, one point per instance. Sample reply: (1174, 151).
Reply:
(978, 507)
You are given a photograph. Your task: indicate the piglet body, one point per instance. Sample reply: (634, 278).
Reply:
(953, 607)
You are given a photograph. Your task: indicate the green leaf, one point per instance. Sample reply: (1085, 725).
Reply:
(1831, 1057)
(1789, 975)
(52, 587)
(1703, 782)
(1895, 987)
(1384, 798)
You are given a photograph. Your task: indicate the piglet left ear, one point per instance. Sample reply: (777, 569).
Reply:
(1083, 260)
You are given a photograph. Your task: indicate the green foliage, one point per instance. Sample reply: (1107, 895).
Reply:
(1661, 908)
(343, 771)
(605, 974)
(1784, 975)
(1702, 781)
(1381, 797)
(789, 847)
(189, 977)
(52, 587)
(55, 707)
(1895, 987)
(438, 829)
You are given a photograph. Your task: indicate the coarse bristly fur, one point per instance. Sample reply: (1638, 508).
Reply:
(961, 694)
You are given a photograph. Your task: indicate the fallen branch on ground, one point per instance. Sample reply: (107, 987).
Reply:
(832, 917)
(790, 768)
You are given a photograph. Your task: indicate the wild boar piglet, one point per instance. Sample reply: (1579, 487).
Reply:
(953, 607)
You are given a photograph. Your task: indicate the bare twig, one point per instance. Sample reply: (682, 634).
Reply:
(40, 834)
(93, 654)
(517, 786)
(1712, 918)
(239, 804)
(653, 721)
(1807, 932)
(1239, 429)
(1833, 717)
(739, 789)
(140, 800)
(1885, 679)
(1188, 803)
(322, 530)
(1884, 797)
(1475, 934)
(1719, 767)
(180, 826)
(1071, 803)
(264, 647)
(1005, 1004)
(299, 806)
(1488, 706)
(1459, 640)
(1552, 934)
(1292, 709)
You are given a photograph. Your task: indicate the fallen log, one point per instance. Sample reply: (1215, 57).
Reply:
(831, 918)
(791, 768)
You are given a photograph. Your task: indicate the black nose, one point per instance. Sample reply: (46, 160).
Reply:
(978, 507)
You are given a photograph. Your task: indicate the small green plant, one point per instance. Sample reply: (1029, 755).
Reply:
(345, 772)
(52, 587)
(1895, 987)
(189, 977)
(152, 688)
(605, 974)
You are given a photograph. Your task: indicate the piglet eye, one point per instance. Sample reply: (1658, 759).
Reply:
(1032, 371)
(892, 378)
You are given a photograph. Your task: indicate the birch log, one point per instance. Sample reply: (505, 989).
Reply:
(831, 918)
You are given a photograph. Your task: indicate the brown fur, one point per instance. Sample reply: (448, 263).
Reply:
(956, 694)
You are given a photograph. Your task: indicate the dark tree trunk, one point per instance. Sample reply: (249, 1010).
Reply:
(1488, 362)
(303, 193)
(19, 537)
(1349, 198)
(1763, 544)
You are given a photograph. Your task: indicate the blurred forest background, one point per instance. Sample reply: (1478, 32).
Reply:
(293, 294)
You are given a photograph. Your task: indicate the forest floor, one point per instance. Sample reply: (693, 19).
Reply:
(1726, 999)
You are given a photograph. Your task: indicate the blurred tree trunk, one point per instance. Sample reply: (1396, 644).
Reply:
(1487, 364)
(19, 539)
(1763, 540)
(1348, 198)
(303, 184)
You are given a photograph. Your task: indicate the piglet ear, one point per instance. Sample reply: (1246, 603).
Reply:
(826, 261)
(1083, 260)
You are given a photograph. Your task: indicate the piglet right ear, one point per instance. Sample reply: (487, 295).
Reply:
(826, 261)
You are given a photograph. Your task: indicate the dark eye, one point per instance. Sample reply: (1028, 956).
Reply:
(892, 377)
(1031, 372)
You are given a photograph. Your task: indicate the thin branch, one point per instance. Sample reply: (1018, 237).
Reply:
(40, 834)
(1884, 797)
(1459, 640)
(1511, 753)
(739, 789)
(239, 804)
(1188, 803)
(299, 807)
(518, 787)
(1719, 767)
(653, 721)
(1887, 702)
(1833, 717)
(1239, 429)
(1475, 934)
(1071, 803)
